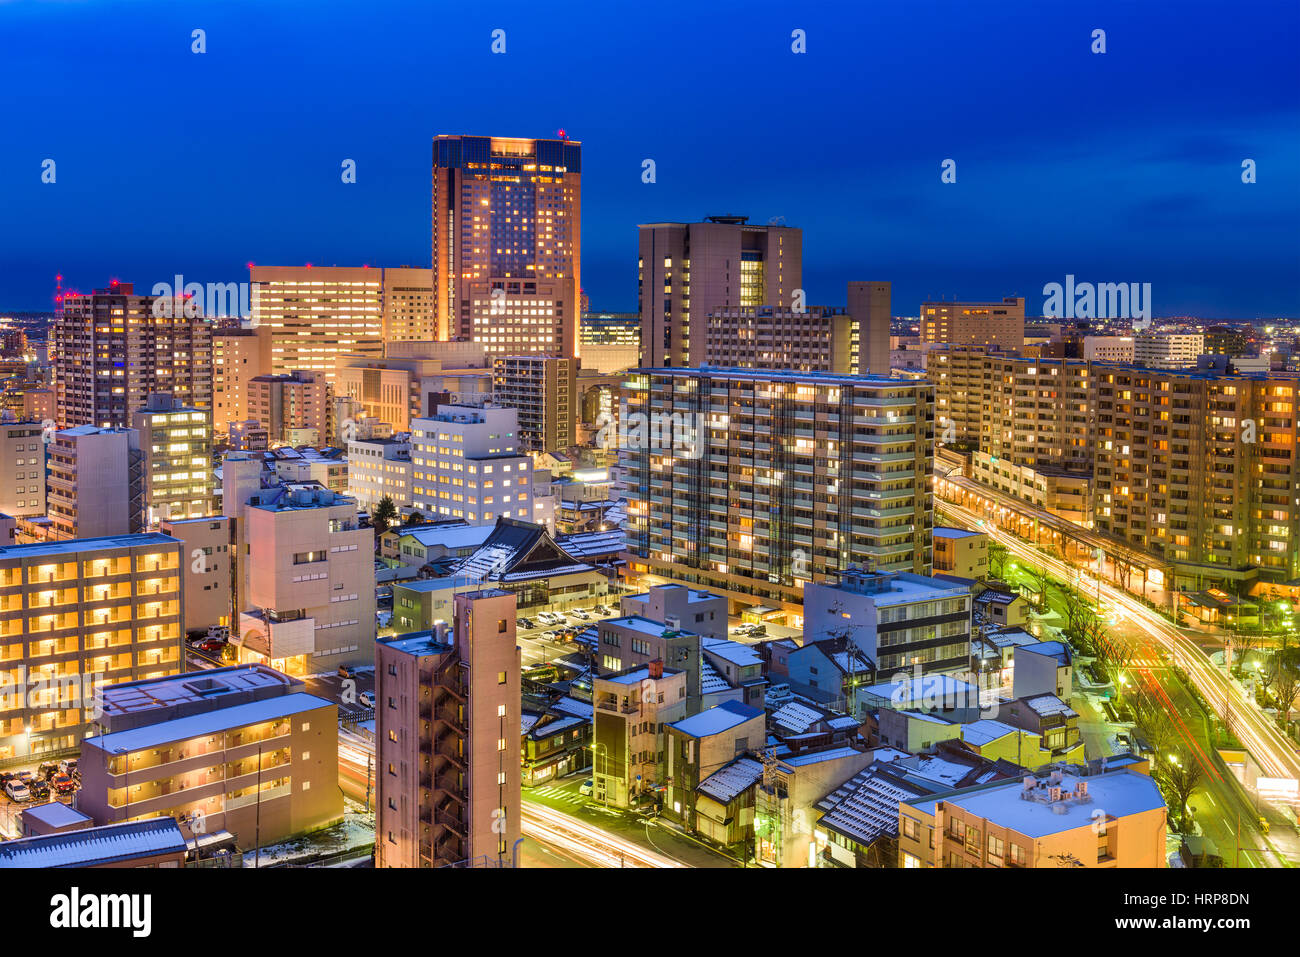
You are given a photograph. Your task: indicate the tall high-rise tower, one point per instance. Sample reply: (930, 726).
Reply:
(507, 242)
(689, 270)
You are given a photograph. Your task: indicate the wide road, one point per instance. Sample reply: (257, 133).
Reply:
(1271, 749)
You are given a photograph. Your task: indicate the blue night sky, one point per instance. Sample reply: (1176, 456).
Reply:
(1117, 167)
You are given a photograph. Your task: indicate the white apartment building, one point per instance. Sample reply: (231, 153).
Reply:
(466, 463)
(378, 468)
(1168, 350)
(177, 443)
(22, 469)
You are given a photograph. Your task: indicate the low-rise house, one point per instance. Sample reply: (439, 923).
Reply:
(914, 731)
(1054, 722)
(1000, 609)
(702, 744)
(830, 671)
(794, 781)
(1043, 668)
(960, 552)
(725, 801)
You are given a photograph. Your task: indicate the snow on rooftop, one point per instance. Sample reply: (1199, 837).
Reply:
(980, 733)
(728, 783)
(715, 720)
(95, 845)
(733, 651)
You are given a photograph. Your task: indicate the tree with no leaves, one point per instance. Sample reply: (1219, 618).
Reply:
(1178, 775)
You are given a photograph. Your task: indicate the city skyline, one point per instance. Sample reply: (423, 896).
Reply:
(1110, 167)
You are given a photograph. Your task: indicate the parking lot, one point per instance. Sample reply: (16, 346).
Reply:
(354, 695)
(59, 787)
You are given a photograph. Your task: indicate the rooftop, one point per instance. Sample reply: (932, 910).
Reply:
(715, 720)
(57, 814)
(943, 531)
(151, 693)
(95, 845)
(74, 546)
(211, 722)
(419, 643)
(1117, 794)
(726, 784)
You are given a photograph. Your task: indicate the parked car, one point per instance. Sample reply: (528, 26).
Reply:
(345, 671)
(7, 776)
(579, 613)
(586, 787)
(210, 646)
(39, 788)
(17, 791)
(526, 623)
(63, 784)
(367, 699)
(47, 770)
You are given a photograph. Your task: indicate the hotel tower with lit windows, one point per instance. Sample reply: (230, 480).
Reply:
(507, 243)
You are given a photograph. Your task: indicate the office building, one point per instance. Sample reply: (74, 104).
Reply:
(753, 484)
(111, 348)
(316, 314)
(1108, 348)
(310, 579)
(238, 356)
(869, 305)
(466, 463)
(294, 407)
(610, 341)
(408, 305)
(22, 468)
(212, 580)
(413, 378)
(95, 482)
(236, 749)
(379, 469)
(543, 390)
(1000, 324)
(447, 722)
(76, 615)
(898, 620)
(507, 242)
(1168, 350)
(688, 271)
(176, 441)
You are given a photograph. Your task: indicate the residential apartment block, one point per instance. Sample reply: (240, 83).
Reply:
(755, 483)
(238, 355)
(95, 482)
(689, 271)
(75, 615)
(447, 728)
(631, 708)
(544, 391)
(111, 348)
(245, 750)
(293, 407)
(1168, 350)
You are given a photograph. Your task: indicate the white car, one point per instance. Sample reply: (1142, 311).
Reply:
(367, 699)
(579, 613)
(16, 790)
(586, 787)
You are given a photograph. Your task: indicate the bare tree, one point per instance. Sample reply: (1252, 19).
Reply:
(1178, 775)
(997, 561)
(1042, 579)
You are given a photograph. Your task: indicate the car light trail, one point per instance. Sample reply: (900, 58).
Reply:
(587, 841)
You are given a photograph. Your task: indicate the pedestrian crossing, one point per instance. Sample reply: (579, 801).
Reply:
(563, 795)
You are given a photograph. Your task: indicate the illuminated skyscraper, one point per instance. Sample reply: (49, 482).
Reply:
(507, 242)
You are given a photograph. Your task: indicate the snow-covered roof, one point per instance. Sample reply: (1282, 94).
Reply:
(449, 536)
(866, 806)
(56, 814)
(95, 845)
(711, 681)
(721, 717)
(725, 785)
(732, 651)
(796, 717)
(212, 722)
(1049, 704)
(1118, 793)
(567, 705)
(980, 733)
